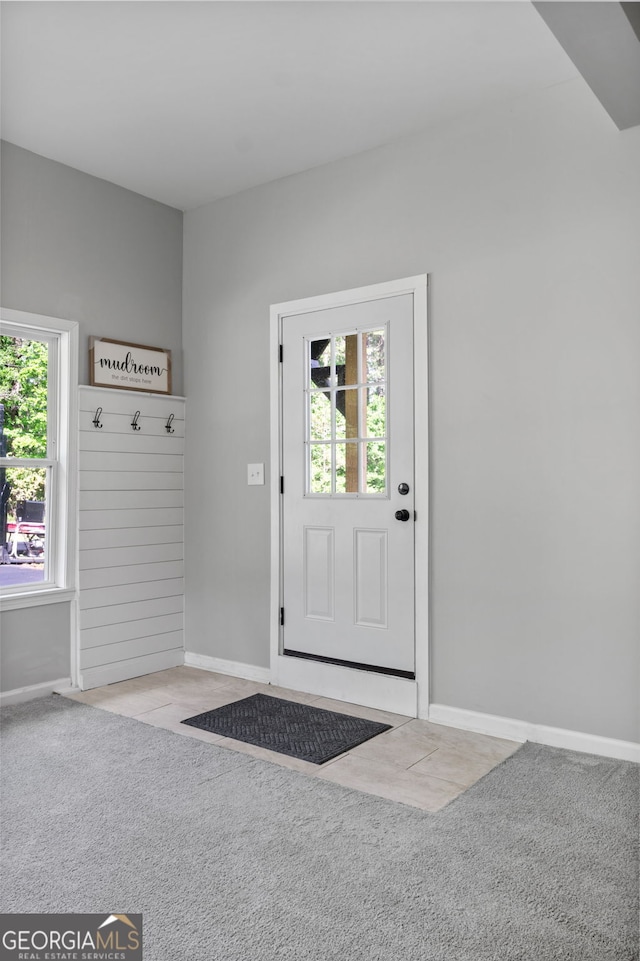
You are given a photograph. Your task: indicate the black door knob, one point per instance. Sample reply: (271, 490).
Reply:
(402, 515)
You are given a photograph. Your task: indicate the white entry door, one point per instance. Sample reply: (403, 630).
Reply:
(348, 485)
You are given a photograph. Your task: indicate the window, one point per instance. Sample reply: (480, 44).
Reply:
(38, 374)
(346, 392)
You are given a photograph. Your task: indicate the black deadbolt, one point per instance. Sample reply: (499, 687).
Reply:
(402, 515)
(403, 488)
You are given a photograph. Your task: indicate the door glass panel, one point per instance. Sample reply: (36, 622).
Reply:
(347, 468)
(351, 468)
(376, 469)
(351, 413)
(320, 469)
(341, 469)
(320, 362)
(346, 414)
(320, 415)
(347, 393)
(346, 359)
(376, 411)
(374, 356)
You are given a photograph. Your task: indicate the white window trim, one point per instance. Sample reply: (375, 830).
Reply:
(61, 584)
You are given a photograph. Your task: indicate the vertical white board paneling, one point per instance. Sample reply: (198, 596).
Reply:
(131, 535)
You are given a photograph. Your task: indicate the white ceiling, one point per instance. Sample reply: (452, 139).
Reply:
(188, 101)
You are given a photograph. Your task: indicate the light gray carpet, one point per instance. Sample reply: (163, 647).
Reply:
(233, 859)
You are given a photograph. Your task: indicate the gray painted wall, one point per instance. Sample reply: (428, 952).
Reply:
(83, 249)
(36, 646)
(77, 247)
(526, 218)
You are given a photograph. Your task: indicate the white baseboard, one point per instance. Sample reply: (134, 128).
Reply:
(516, 730)
(67, 689)
(249, 672)
(19, 694)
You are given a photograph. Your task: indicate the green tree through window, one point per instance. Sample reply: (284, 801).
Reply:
(23, 397)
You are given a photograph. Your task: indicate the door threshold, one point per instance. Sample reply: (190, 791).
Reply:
(397, 695)
(354, 665)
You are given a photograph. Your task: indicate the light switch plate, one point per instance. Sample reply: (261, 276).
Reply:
(255, 473)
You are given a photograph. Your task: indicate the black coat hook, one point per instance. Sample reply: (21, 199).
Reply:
(96, 419)
(134, 422)
(167, 426)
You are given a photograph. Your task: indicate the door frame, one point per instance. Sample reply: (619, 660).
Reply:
(380, 691)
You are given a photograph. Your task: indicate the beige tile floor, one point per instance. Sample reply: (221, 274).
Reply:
(416, 762)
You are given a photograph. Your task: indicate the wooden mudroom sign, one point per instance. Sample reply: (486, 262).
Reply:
(115, 363)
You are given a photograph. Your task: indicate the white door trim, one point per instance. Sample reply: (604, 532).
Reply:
(387, 693)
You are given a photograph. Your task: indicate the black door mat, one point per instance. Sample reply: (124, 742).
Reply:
(298, 730)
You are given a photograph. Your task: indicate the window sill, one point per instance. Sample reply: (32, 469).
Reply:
(51, 595)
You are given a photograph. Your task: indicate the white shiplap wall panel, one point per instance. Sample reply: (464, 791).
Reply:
(117, 519)
(131, 574)
(114, 556)
(135, 442)
(113, 423)
(100, 500)
(134, 611)
(120, 480)
(132, 667)
(110, 461)
(131, 535)
(127, 402)
(113, 595)
(128, 630)
(125, 650)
